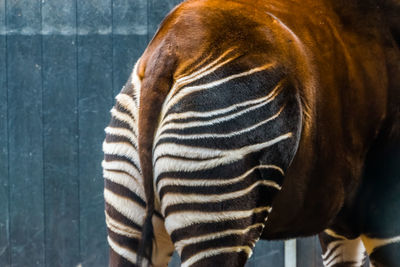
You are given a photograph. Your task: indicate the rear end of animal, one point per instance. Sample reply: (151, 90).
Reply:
(220, 137)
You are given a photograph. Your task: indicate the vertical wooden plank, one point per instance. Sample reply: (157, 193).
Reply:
(267, 253)
(309, 252)
(290, 253)
(60, 133)
(4, 178)
(157, 10)
(25, 132)
(95, 100)
(306, 252)
(318, 252)
(129, 38)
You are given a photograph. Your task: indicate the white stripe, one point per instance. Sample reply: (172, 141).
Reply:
(136, 85)
(195, 66)
(122, 132)
(122, 149)
(329, 261)
(174, 198)
(192, 89)
(124, 118)
(128, 103)
(215, 251)
(182, 219)
(124, 252)
(196, 76)
(206, 69)
(191, 152)
(225, 135)
(212, 182)
(180, 82)
(125, 206)
(125, 180)
(191, 78)
(348, 250)
(330, 246)
(192, 240)
(212, 113)
(167, 164)
(116, 165)
(214, 121)
(287, 29)
(121, 229)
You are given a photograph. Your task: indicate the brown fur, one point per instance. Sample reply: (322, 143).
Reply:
(344, 62)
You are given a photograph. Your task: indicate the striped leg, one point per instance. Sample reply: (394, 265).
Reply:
(124, 192)
(216, 221)
(381, 198)
(341, 251)
(215, 224)
(214, 214)
(383, 252)
(382, 224)
(382, 240)
(215, 157)
(227, 133)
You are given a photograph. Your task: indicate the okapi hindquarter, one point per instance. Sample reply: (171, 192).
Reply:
(256, 119)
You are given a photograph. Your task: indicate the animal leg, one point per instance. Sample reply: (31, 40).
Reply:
(339, 250)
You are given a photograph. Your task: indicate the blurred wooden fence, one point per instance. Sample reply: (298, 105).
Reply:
(61, 64)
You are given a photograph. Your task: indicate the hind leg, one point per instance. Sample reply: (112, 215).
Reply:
(380, 199)
(216, 221)
(381, 236)
(339, 250)
(210, 229)
(383, 251)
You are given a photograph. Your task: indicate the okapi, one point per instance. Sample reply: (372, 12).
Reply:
(268, 119)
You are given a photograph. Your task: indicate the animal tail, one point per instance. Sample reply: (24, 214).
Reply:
(156, 71)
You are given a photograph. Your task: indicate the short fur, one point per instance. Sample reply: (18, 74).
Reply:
(342, 63)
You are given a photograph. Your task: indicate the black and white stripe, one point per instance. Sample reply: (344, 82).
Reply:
(214, 180)
(339, 250)
(124, 192)
(382, 251)
(208, 171)
(219, 127)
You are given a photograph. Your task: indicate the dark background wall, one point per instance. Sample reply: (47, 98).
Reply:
(61, 64)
